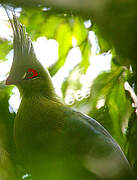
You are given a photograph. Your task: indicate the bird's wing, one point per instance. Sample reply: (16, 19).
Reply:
(103, 155)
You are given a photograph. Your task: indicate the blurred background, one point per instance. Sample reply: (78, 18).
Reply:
(91, 60)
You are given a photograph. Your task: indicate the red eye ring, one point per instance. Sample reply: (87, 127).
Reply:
(31, 73)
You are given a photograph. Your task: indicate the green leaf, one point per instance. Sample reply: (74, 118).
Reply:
(5, 47)
(79, 30)
(64, 37)
(103, 44)
(120, 110)
(86, 53)
(104, 84)
(132, 140)
(5, 115)
(52, 25)
(70, 82)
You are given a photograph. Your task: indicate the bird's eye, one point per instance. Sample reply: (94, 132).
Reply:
(30, 74)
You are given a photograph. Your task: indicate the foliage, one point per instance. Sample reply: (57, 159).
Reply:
(5, 47)
(6, 135)
(116, 112)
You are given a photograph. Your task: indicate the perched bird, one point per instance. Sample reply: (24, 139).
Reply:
(53, 141)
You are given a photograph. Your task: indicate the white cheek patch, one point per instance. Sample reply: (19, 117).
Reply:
(24, 75)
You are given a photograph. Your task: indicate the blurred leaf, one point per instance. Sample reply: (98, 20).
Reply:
(86, 54)
(79, 30)
(103, 44)
(5, 115)
(5, 47)
(64, 37)
(7, 168)
(120, 110)
(103, 84)
(64, 86)
(72, 81)
(132, 140)
(52, 24)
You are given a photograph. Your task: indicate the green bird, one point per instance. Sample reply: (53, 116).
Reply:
(53, 141)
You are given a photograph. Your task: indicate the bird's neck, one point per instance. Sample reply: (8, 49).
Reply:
(46, 90)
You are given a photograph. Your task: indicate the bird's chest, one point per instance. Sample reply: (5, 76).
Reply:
(38, 127)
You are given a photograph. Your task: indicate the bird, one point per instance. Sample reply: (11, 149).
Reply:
(54, 141)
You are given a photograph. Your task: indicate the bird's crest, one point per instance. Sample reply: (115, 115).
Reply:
(22, 43)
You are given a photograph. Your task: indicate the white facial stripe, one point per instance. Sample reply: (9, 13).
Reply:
(24, 75)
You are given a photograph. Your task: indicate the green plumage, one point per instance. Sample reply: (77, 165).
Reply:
(53, 141)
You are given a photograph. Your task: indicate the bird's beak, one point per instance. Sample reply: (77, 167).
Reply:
(10, 81)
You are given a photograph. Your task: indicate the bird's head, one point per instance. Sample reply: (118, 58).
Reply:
(26, 71)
